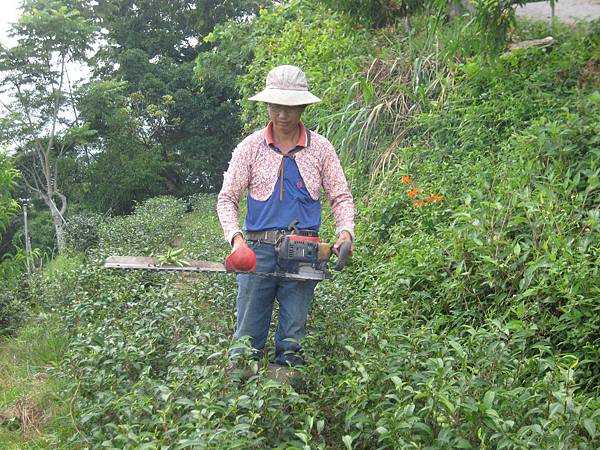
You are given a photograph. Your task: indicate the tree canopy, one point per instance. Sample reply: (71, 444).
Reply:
(43, 123)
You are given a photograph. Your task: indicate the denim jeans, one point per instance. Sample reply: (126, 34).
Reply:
(256, 295)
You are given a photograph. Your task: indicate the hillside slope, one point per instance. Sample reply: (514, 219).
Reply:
(468, 319)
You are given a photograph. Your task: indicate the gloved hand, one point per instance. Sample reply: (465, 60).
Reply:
(344, 236)
(242, 258)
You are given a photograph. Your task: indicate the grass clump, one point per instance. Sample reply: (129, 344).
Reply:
(33, 411)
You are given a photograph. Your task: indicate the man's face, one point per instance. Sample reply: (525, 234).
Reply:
(285, 118)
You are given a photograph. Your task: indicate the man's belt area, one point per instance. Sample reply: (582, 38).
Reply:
(273, 236)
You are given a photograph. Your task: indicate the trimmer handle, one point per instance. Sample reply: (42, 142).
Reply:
(344, 253)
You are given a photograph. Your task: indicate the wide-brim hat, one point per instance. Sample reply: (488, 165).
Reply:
(286, 85)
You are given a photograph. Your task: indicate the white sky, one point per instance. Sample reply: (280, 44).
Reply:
(9, 13)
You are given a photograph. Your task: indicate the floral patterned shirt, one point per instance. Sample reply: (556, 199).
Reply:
(254, 167)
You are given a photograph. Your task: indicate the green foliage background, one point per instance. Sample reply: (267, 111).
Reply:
(302, 33)
(8, 184)
(469, 315)
(11, 264)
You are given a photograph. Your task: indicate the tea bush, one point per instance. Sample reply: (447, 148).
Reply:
(14, 305)
(81, 231)
(151, 228)
(203, 238)
(468, 318)
(515, 235)
(390, 383)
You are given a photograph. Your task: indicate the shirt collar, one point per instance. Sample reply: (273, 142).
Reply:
(302, 137)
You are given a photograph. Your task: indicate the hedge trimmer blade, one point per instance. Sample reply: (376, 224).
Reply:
(155, 265)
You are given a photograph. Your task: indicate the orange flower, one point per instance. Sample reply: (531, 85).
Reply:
(406, 180)
(418, 202)
(414, 192)
(433, 198)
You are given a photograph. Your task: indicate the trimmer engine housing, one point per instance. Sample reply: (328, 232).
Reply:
(303, 255)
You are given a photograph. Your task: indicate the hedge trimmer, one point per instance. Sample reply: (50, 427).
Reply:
(298, 257)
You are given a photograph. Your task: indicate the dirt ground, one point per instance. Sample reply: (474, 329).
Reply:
(570, 11)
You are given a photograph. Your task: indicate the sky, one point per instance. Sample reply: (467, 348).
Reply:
(9, 13)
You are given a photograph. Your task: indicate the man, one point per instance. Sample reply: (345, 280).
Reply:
(283, 168)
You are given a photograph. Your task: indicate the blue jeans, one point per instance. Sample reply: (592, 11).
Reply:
(256, 295)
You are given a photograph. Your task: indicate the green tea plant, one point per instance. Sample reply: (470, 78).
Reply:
(468, 318)
(202, 235)
(152, 227)
(173, 257)
(520, 179)
(81, 231)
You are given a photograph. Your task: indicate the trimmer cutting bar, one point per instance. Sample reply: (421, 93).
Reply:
(154, 265)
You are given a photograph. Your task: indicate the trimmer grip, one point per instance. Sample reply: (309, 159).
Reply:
(344, 254)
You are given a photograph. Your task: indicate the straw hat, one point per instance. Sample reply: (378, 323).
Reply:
(286, 85)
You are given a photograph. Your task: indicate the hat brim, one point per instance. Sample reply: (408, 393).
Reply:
(285, 97)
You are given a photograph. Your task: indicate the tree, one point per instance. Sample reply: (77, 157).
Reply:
(125, 166)
(152, 45)
(170, 29)
(42, 123)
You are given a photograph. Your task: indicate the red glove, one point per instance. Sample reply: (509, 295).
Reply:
(241, 260)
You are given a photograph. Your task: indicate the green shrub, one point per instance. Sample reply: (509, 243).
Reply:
(41, 230)
(8, 183)
(203, 203)
(203, 236)
(324, 43)
(152, 227)
(15, 298)
(379, 12)
(11, 266)
(12, 312)
(468, 318)
(513, 152)
(81, 231)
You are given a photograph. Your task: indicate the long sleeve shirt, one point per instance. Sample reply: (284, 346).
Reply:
(255, 167)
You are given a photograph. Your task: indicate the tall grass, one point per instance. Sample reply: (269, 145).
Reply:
(411, 75)
(34, 413)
